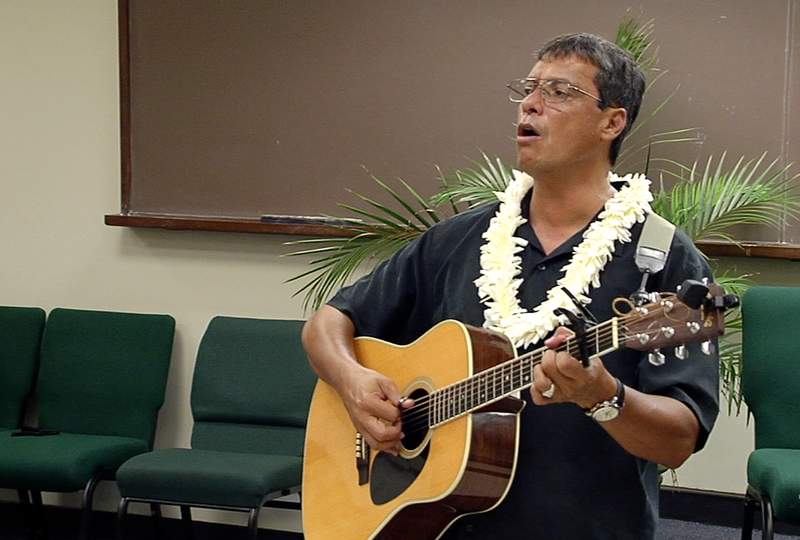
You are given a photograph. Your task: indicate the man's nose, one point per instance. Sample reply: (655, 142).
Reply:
(533, 103)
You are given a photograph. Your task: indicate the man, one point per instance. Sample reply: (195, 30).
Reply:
(578, 476)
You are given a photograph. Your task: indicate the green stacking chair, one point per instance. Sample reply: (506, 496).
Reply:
(250, 396)
(101, 382)
(771, 388)
(20, 338)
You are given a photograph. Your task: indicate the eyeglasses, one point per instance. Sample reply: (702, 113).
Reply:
(553, 90)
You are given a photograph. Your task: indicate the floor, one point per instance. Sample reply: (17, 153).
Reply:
(61, 524)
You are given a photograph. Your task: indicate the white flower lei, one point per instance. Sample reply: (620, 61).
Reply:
(500, 265)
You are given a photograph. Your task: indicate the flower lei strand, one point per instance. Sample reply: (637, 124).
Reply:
(499, 279)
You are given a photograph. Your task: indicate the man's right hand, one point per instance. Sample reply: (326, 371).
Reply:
(373, 402)
(371, 399)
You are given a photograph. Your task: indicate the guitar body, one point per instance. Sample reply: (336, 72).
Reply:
(459, 467)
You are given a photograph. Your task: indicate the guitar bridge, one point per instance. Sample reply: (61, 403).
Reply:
(362, 459)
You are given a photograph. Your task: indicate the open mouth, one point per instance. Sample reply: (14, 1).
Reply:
(526, 130)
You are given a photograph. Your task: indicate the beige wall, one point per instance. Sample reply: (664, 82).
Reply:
(59, 174)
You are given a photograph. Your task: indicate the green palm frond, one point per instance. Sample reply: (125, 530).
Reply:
(417, 219)
(627, 154)
(338, 258)
(636, 38)
(474, 186)
(377, 235)
(706, 203)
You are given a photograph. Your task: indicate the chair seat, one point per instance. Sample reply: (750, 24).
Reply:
(207, 477)
(776, 471)
(63, 462)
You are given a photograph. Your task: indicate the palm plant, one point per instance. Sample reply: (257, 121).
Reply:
(636, 38)
(384, 230)
(704, 201)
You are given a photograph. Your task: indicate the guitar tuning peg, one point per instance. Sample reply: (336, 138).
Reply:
(707, 347)
(681, 352)
(656, 358)
(692, 293)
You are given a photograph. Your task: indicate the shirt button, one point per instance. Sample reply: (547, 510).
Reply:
(541, 267)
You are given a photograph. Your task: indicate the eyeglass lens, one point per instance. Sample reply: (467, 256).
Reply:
(552, 91)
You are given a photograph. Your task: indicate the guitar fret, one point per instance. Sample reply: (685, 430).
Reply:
(511, 376)
(472, 403)
(446, 404)
(437, 408)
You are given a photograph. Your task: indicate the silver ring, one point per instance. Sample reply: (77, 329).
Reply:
(549, 392)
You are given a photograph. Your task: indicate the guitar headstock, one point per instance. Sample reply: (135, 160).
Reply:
(695, 313)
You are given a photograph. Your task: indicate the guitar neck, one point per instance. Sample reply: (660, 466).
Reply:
(505, 379)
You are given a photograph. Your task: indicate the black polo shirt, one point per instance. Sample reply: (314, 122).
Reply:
(573, 481)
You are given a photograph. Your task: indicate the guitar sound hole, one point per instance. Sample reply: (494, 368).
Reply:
(392, 475)
(415, 422)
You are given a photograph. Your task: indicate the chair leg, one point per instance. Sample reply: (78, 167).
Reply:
(36, 529)
(186, 520)
(767, 531)
(158, 522)
(86, 506)
(748, 517)
(252, 524)
(122, 511)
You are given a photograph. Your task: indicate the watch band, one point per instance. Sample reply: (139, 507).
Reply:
(608, 409)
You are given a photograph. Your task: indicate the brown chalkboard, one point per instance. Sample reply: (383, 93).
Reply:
(235, 109)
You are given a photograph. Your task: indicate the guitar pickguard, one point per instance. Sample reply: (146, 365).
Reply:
(392, 475)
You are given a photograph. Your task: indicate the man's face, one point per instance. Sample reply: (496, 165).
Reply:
(552, 136)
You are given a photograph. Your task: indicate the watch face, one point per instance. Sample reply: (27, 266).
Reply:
(604, 414)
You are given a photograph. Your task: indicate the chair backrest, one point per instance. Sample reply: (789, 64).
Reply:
(771, 364)
(252, 387)
(20, 339)
(104, 373)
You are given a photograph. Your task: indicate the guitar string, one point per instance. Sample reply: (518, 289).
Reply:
(521, 376)
(418, 417)
(519, 380)
(449, 410)
(515, 376)
(481, 377)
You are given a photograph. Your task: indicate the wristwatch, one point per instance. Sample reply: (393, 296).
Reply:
(609, 409)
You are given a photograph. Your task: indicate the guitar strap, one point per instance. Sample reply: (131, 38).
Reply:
(651, 252)
(654, 244)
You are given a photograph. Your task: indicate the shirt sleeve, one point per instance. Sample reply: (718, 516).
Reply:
(383, 304)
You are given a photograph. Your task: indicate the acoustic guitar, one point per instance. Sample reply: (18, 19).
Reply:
(459, 449)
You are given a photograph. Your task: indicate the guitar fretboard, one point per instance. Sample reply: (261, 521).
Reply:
(498, 382)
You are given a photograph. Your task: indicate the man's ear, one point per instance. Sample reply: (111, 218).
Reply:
(614, 121)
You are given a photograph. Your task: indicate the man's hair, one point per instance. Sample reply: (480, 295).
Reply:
(620, 80)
